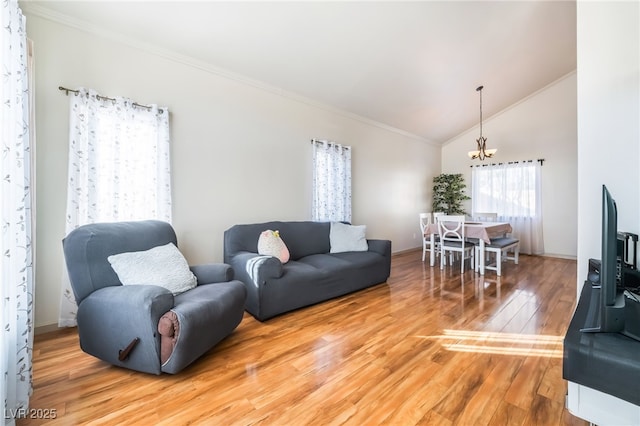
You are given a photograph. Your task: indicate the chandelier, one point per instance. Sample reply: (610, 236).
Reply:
(482, 152)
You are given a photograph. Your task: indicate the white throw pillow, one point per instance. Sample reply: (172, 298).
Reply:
(163, 265)
(343, 237)
(270, 244)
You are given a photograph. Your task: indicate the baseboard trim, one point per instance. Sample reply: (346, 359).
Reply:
(411, 250)
(49, 328)
(560, 256)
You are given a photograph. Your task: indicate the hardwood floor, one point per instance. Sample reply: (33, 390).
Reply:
(424, 348)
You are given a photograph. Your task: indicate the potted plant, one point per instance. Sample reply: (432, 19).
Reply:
(448, 193)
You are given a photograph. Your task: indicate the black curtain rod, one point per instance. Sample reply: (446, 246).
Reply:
(539, 160)
(104, 98)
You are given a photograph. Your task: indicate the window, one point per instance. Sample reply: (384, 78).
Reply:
(508, 189)
(119, 167)
(512, 191)
(331, 182)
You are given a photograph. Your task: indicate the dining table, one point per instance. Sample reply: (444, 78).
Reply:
(482, 231)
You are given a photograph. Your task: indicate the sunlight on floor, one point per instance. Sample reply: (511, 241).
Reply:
(500, 343)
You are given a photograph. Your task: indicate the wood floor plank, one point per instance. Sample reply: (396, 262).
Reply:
(430, 346)
(508, 414)
(483, 405)
(543, 412)
(468, 383)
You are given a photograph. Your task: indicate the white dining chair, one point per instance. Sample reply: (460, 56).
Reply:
(425, 221)
(451, 231)
(435, 216)
(435, 220)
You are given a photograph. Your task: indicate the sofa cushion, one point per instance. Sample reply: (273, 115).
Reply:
(299, 269)
(163, 266)
(343, 238)
(270, 244)
(305, 238)
(339, 262)
(325, 263)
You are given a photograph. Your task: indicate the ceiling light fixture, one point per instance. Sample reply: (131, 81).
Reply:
(482, 152)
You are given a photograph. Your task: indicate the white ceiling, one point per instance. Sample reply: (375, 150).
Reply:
(413, 65)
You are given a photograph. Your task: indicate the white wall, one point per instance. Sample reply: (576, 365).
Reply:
(543, 125)
(608, 120)
(240, 153)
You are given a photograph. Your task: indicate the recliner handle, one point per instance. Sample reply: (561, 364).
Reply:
(124, 354)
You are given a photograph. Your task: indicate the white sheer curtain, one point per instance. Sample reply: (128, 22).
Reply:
(119, 168)
(513, 191)
(331, 182)
(16, 262)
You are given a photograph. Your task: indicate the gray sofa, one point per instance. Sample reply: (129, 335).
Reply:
(312, 275)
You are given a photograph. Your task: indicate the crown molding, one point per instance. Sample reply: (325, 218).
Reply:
(30, 8)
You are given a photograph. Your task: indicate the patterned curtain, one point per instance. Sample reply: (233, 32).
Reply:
(119, 168)
(331, 182)
(513, 191)
(16, 263)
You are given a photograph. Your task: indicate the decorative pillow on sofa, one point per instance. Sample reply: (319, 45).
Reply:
(163, 265)
(343, 237)
(270, 244)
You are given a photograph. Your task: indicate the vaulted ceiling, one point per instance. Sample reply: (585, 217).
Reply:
(412, 65)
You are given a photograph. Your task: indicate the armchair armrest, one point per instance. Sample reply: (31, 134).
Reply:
(212, 273)
(111, 317)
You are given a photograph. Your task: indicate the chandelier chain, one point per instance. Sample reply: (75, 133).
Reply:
(480, 90)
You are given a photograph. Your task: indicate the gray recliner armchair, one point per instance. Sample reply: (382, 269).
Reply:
(145, 327)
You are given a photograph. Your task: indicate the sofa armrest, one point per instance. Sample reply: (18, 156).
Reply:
(382, 247)
(111, 317)
(256, 269)
(260, 268)
(212, 273)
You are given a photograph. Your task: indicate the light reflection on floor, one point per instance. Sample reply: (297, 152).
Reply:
(500, 343)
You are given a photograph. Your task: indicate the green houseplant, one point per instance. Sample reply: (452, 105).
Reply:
(448, 193)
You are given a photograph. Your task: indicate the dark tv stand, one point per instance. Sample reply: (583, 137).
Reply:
(603, 369)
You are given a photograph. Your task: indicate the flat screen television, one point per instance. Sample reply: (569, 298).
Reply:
(609, 314)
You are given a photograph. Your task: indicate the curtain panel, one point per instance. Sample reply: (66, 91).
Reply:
(331, 182)
(119, 168)
(16, 263)
(512, 190)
